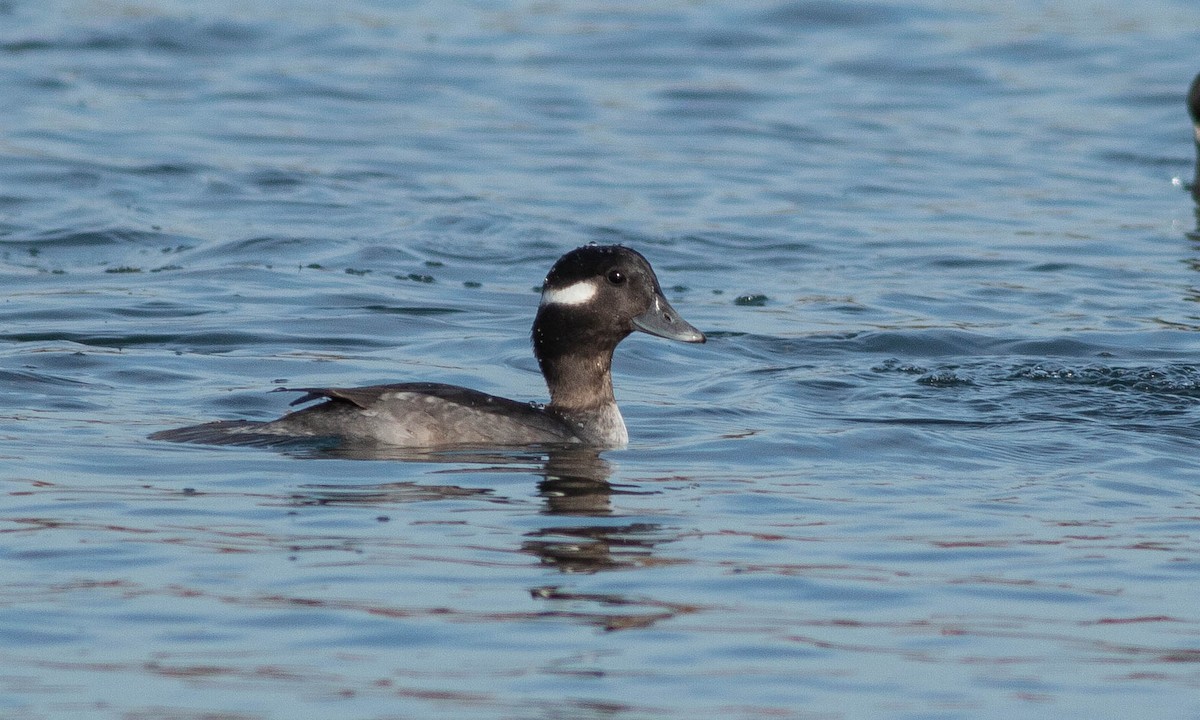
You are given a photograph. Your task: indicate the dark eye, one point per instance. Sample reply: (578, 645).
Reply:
(616, 277)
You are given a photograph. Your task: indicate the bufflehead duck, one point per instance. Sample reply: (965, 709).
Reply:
(1193, 104)
(592, 299)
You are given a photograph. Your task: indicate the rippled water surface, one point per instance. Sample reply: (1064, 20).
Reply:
(938, 459)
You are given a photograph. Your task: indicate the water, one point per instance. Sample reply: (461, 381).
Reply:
(938, 458)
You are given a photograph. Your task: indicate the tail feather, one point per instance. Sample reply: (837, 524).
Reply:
(223, 432)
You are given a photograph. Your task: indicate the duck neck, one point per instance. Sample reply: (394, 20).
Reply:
(579, 382)
(581, 394)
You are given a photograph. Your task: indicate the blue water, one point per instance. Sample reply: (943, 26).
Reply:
(939, 458)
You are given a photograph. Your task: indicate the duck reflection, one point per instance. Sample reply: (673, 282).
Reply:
(574, 480)
(574, 483)
(592, 549)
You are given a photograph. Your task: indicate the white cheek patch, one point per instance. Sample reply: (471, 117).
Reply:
(573, 294)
